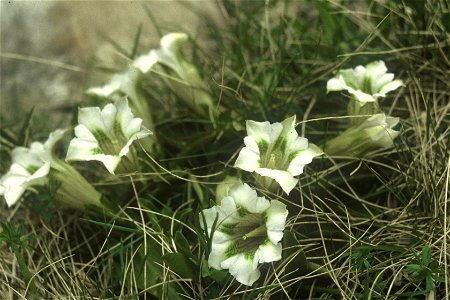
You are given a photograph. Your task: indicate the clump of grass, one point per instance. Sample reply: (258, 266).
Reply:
(369, 228)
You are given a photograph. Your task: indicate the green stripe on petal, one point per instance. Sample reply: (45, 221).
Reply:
(245, 236)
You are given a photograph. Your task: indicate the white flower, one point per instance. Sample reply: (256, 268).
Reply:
(224, 187)
(35, 165)
(366, 84)
(374, 133)
(276, 151)
(122, 84)
(246, 230)
(105, 135)
(28, 169)
(181, 76)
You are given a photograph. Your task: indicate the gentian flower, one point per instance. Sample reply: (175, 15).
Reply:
(127, 84)
(181, 76)
(276, 152)
(105, 135)
(246, 230)
(36, 165)
(365, 84)
(27, 169)
(374, 133)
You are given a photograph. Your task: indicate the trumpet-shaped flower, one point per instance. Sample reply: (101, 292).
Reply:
(366, 84)
(181, 76)
(105, 135)
(374, 133)
(127, 84)
(124, 83)
(35, 165)
(246, 230)
(277, 152)
(28, 169)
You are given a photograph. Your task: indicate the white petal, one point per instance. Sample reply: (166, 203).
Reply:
(40, 173)
(92, 118)
(284, 178)
(246, 197)
(123, 114)
(274, 235)
(146, 62)
(362, 97)
(110, 161)
(391, 121)
(27, 158)
(12, 186)
(289, 133)
(373, 121)
(243, 268)
(378, 82)
(251, 144)
(83, 133)
(336, 84)
(217, 254)
(83, 150)
(376, 69)
(247, 160)
(126, 148)
(173, 41)
(228, 211)
(17, 180)
(276, 216)
(210, 215)
(391, 86)
(80, 149)
(269, 252)
(355, 76)
(263, 131)
(303, 158)
(107, 90)
(109, 113)
(130, 126)
(12, 195)
(300, 143)
(53, 138)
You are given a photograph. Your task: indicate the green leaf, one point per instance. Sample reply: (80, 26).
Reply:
(426, 255)
(179, 264)
(218, 276)
(183, 246)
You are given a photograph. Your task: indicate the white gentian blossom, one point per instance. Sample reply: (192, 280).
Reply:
(127, 84)
(180, 75)
(275, 152)
(27, 169)
(35, 165)
(374, 133)
(223, 188)
(124, 83)
(105, 135)
(365, 84)
(246, 230)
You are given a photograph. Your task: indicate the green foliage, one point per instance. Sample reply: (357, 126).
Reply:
(425, 269)
(352, 221)
(17, 241)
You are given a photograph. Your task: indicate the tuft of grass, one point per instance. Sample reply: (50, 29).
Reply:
(371, 228)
